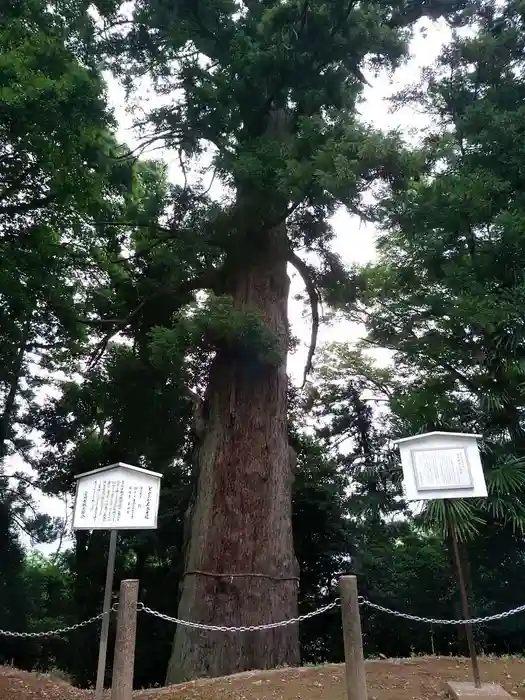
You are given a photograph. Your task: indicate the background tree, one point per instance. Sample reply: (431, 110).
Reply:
(58, 182)
(446, 295)
(63, 182)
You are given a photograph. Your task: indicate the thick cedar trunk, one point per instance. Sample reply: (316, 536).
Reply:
(241, 520)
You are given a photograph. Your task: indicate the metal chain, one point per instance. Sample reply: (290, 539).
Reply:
(272, 625)
(433, 621)
(243, 628)
(362, 601)
(52, 633)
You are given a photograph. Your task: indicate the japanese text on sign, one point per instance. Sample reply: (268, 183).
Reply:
(441, 469)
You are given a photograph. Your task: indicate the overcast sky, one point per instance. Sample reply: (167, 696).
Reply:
(355, 241)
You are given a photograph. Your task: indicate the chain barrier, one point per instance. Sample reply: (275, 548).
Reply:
(362, 601)
(272, 625)
(434, 621)
(52, 633)
(243, 628)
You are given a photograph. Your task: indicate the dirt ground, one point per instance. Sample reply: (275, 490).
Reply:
(409, 679)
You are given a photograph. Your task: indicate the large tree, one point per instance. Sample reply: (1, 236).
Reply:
(270, 90)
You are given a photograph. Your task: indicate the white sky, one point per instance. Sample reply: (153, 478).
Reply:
(355, 241)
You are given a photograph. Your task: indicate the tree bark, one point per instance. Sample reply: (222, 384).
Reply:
(6, 418)
(241, 518)
(88, 577)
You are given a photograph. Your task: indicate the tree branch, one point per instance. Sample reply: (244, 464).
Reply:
(344, 19)
(135, 153)
(206, 280)
(439, 363)
(304, 17)
(313, 294)
(21, 478)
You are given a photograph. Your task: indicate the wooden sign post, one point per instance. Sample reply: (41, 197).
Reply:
(443, 465)
(117, 497)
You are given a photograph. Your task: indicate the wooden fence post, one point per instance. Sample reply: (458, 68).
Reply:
(353, 640)
(124, 659)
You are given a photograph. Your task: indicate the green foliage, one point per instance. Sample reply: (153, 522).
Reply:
(411, 569)
(239, 69)
(216, 323)
(126, 410)
(58, 181)
(53, 113)
(446, 296)
(103, 260)
(459, 515)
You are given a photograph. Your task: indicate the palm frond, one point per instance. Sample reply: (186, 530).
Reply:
(490, 402)
(459, 515)
(509, 509)
(507, 477)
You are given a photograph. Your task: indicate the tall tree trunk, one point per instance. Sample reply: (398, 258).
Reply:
(6, 418)
(88, 590)
(240, 562)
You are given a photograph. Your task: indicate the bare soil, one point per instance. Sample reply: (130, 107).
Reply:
(20, 685)
(405, 679)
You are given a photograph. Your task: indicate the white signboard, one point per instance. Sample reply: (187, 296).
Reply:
(442, 465)
(120, 497)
